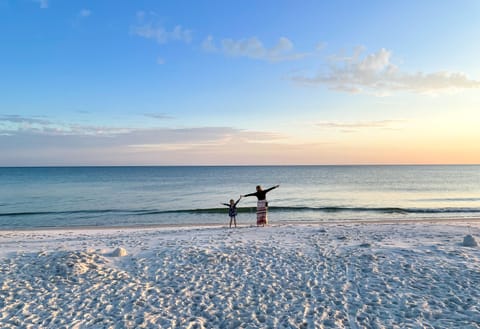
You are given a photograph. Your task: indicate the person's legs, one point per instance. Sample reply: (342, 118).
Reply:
(261, 213)
(231, 218)
(235, 221)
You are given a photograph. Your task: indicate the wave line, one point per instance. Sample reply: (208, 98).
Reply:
(221, 210)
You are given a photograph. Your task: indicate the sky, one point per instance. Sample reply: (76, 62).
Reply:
(266, 82)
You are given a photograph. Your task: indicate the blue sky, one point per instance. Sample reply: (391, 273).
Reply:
(239, 82)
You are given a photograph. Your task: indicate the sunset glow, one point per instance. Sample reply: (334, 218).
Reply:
(239, 83)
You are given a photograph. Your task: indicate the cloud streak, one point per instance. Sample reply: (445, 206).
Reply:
(149, 28)
(160, 116)
(375, 73)
(43, 3)
(359, 124)
(38, 141)
(254, 48)
(16, 124)
(84, 13)
(18, 119)
(58, 133)
(355, 126)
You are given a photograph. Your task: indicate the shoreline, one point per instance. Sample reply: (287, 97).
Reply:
(217, 225)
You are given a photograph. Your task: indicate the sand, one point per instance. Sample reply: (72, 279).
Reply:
(354, 275)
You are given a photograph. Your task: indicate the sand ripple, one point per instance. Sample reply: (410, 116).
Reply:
(278, 277)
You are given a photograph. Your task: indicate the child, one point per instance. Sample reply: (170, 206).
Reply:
(232, 210)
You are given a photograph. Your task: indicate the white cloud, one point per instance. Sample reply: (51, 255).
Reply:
(43, 3)
(85, 13)
(160, 61)
(320, 46)
(375, 73)
(148, 27)
(160, 116)
(254, 48)
(13, 125)
(284, 45)
(34, 141)
(18, 119)
(195, 146)
(353, 125)
(16, 124)
(179, 33)
(246, 47)
(161, 35)
(208, 44)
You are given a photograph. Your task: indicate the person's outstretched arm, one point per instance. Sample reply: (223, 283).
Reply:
(250, 194)
(271, 188)
(226, 204)
(238, 200)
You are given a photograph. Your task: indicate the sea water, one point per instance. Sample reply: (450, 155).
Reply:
(184, 195)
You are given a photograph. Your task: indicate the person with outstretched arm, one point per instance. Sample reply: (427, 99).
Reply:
(262, 204)
(232, 210)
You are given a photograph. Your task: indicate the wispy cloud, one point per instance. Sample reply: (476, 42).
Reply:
(149, 27)
(43, 3)
(375, 73)
(38, 142)
(254, 48)
(192, 138)
(18, 119)
(352, 126)
(160, 116)
(85, 13)
(208, 44)
(161, 35)
(320, 46)
(16, 124)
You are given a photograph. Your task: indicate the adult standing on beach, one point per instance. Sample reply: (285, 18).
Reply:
(262, 204)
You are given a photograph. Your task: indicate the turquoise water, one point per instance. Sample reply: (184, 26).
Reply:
(115, 196)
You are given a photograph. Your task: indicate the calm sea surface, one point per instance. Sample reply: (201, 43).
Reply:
(115, 196)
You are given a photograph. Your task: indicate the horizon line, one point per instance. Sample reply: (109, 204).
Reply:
(246, 165)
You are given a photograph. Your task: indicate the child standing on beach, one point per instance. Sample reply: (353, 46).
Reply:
(232, 210)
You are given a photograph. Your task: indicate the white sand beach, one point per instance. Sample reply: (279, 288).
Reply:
(353, 275)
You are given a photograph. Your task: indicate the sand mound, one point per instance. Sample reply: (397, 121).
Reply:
(119, 252)
(62, 265)
(469, 241)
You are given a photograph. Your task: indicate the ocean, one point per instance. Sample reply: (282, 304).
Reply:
(43, 197)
